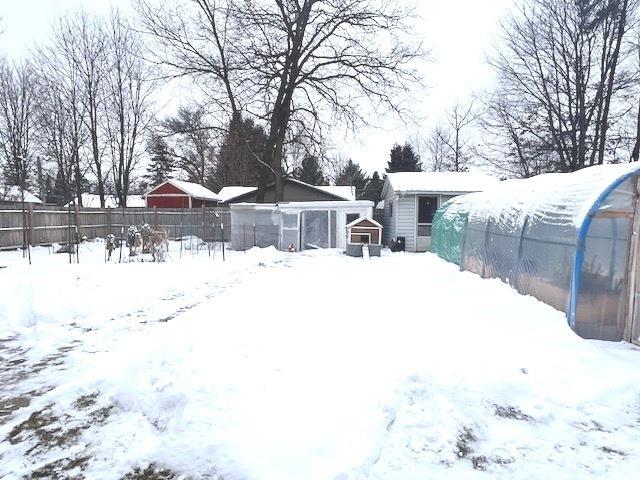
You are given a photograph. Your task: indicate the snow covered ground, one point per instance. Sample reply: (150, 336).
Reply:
(300, 366)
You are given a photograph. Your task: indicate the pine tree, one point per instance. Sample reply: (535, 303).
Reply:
(373, 190)
(310, 171)
(161, 164)
(403, 159)
(59, 194)
(236, 163)
(351, 174)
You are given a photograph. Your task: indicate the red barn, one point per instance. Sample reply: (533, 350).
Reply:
(179, 194)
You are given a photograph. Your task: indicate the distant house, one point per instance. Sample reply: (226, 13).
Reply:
(294, 191)
(92, 200)
(412, 198)
(12, 194)
(180, 194)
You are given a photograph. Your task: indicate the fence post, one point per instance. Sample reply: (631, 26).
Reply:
(155, 217)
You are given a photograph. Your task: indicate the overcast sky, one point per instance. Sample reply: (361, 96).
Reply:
(459, 32)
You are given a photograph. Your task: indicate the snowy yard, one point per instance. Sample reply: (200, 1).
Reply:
(309, 366)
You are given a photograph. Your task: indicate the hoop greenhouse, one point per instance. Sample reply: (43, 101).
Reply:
(568, 239)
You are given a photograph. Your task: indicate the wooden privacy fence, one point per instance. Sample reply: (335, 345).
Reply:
(52, 224)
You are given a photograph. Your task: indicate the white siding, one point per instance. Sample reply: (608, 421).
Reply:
(403, 220)
(389, 217)
(406, 212)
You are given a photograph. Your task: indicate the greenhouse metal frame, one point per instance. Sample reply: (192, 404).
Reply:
(568, 239)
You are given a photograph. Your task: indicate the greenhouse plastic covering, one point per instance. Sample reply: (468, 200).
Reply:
(564, 238)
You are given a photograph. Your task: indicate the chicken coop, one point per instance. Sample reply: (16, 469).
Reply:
(295, 226)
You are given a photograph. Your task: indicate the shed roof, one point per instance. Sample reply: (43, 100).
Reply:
(337, 191)
(440, 182)
(233, 191)
(344, 191)
(194, 190)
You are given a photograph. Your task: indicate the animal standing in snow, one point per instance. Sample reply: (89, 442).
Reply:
(145, 232)
(110, 245)
(134, 240)
(158, 245)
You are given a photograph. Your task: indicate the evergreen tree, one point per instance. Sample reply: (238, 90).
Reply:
(351, 174)
(59, 194)
(236, 163)
(403, 159)
(373, 189)
(161, 164)
(310, 171)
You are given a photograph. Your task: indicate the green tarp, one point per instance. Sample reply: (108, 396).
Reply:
(447, 234)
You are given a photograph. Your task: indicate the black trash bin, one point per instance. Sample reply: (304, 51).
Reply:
(398, 244)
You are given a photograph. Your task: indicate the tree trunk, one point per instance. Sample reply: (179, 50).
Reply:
(635, 153)
(610, 84)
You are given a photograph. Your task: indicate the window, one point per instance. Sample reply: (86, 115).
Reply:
(424, 230)
(351, 217)
(427, 207)
(391, 209)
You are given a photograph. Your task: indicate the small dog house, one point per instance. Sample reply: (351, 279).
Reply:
(364, 231)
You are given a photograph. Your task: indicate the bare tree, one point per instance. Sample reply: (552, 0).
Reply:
(449, 145)
(83, 40)
(53, 129)
(17, 112)
(127, 86)
(63, 133)
(565, 58)
(512, 140)
(635, 104)
(437, 147)
(294, 65)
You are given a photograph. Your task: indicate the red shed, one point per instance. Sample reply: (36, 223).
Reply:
(179, 194)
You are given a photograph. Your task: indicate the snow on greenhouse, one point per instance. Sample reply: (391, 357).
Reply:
(568, 239)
